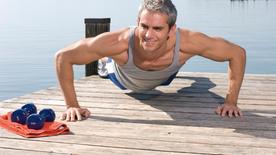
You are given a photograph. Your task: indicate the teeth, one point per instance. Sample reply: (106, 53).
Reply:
(148, 40)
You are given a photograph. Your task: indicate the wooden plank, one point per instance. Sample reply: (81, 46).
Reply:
(208, 76)
(75, 148)
(194, 90)
(85, 143)
(103, 124)
(180, 82)
(91, 99)
(40, 99)
(204, 80)
(256, 86)
(209, 97)
(148, 106)
(167, 113)
(13, 151)
(169, 134)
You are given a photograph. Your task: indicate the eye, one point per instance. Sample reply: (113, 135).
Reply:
(144, 26)
(158, 29)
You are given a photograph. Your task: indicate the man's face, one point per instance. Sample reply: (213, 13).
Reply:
(153, 30)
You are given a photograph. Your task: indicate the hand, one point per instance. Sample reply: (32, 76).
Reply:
(72, 113)
(228, 109)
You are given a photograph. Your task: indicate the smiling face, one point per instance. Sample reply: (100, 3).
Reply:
(153, 30)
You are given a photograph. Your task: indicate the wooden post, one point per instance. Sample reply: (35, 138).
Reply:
(93, 27)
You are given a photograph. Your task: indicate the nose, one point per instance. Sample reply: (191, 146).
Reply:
(149, 33)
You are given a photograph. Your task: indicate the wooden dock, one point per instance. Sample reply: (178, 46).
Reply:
(178, 119)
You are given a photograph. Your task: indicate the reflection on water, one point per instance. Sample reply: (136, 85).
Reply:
(247, 23)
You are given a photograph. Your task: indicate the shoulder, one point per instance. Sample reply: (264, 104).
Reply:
(193, 41)
(196, 42)
(192, 36)
(215, 48)
(119, 36)
(110, 43)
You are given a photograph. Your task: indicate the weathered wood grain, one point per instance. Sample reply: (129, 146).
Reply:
(176, 119)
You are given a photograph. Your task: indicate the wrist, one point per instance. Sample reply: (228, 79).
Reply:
(230, 100)
(75, 105)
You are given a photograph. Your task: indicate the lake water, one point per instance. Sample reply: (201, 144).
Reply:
(32, 31)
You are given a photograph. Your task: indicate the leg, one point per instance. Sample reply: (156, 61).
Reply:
(102, 70)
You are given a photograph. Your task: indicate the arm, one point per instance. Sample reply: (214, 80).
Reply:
(219, 49)
(83, 52)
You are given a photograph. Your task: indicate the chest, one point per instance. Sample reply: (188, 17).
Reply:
(158, 63)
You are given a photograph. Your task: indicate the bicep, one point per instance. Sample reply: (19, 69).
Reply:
(91, 49)
(80, 52)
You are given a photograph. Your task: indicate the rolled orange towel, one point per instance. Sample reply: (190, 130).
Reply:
(49, 128)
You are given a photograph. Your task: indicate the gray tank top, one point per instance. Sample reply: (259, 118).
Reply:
(136, 79)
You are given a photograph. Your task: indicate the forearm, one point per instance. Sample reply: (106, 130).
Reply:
(65, 75)
(235, 76)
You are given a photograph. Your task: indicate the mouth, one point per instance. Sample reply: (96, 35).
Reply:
(148, 42)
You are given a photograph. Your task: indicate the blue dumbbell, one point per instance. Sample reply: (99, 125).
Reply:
(30, 108)
(48, 114)
(20, 115)
(36, 121)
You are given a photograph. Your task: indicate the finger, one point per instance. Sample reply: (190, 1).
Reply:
(230, 113)
(73, 115)
(79, 117)
(223, 113)
(218, 110)
(67, 116)
(236, 113)
(63, 116)
(87, 113)
(240, 113)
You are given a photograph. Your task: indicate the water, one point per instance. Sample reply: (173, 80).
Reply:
(32, 31)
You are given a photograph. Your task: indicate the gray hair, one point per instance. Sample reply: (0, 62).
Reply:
(163, 6)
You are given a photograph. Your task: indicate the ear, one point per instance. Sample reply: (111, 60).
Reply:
(172, 30)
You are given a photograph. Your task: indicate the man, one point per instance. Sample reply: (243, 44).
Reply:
(149, 55)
